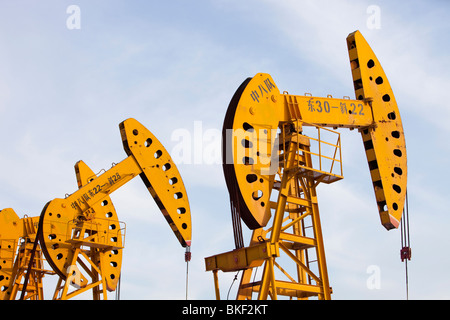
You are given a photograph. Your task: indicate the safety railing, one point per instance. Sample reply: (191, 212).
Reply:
(316, 155)
(100, 233)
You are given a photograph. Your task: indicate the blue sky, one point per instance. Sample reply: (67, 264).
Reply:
(174, 65)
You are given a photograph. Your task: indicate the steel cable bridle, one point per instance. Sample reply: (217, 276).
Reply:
(187, 258)
(405, 252)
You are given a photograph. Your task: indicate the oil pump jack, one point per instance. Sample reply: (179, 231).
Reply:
(80, 237)
(272, 168)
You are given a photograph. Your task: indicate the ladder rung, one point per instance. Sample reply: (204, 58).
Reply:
(298, 201)
(285, 288)
(305, 242)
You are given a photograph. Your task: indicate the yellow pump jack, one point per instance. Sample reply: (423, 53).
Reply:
(272, 169)
(80, 236)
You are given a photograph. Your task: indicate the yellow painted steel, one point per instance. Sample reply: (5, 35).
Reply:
(240, 259)
(87, 218)
(98, 232)
(161, 177)
(11, 230)
(257, 150)
(375, 113)
(106, 222)
(259, 111)
(17, 237)
(384, 141)
(296, 208)
(81, 236)
(254, 131)
(328, 112)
